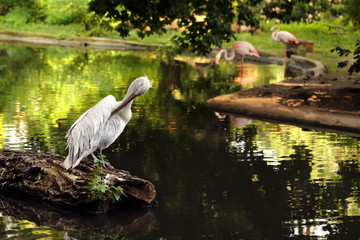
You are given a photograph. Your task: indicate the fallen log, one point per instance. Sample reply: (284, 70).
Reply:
(43, 176)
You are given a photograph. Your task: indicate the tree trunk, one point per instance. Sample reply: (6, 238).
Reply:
(43, 176)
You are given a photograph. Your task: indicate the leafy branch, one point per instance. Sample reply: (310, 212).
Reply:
(99, 189)
(355, 67)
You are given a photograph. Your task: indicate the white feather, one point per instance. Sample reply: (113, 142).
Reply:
(80, 135)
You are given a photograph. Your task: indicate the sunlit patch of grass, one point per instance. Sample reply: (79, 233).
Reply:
(72, 29)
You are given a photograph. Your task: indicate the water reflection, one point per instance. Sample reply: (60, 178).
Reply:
(253, 75)
(217, 176)
(310, 165)
(23, 218)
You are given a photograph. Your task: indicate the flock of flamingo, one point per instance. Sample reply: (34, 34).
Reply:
(245, 48)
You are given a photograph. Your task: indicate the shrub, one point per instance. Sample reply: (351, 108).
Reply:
(66, 11)
(355, 67)
(21, 12)
(18, 16)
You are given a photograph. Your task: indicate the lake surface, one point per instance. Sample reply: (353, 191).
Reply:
(216, 176)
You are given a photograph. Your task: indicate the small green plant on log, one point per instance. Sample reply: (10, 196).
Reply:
(355, 67)
(99, 189)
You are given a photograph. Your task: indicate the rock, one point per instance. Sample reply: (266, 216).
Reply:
(309, 67)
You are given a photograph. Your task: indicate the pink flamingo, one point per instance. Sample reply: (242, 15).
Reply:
(241, 48)
(282, 36)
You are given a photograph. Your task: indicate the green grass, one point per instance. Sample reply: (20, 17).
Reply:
(78, 30)
(316, 32)
(69, 30)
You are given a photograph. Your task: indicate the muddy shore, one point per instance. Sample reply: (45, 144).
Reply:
(324, 103)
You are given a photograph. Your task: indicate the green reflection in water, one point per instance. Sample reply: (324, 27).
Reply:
(279, 142)
(44, 90)
(12, 228)
(318, 173)
(43, 87)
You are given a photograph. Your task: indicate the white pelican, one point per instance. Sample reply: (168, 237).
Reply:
(101, 125)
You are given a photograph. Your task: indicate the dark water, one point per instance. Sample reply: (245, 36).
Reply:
(217, 177)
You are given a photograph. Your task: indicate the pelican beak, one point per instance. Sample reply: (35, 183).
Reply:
(216, 60)
(123, 104)
(256, 53)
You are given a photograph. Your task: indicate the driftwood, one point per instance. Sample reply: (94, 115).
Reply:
(43, 176)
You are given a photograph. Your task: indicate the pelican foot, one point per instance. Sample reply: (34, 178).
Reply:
(95, 158)
(103, 161)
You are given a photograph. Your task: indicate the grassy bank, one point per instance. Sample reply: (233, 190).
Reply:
(324, 38)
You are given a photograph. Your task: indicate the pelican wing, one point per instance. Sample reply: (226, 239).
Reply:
(84, 129)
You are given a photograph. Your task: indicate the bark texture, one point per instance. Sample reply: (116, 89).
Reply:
(43, 176)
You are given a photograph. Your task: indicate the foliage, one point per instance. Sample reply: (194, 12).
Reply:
(301, 10)
(352, 8)
(96, 25)
(247, 12)
(355, 67)
(66, 11)
(49, 11)
(18, 16)
(337, 10)
(99, 188)
(21, 12)
(205, 23)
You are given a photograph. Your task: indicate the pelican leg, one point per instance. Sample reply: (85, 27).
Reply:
(100, 154)
(104, 160)
(95, 158)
